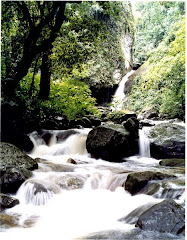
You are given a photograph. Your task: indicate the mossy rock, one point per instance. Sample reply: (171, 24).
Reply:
(15, 167)
(138, 180)
(111, 142)
(173, 162)
(167, 140)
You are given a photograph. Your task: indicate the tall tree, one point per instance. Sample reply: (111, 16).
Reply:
(41, 22)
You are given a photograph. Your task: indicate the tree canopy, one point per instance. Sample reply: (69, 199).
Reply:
(154, 22)
(56, 41)
(161, 89)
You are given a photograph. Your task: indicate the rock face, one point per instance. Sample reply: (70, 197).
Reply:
(7, 201)
(167, 141)
(166, 216)
(15, 167)
(138, 180)
(111, 142)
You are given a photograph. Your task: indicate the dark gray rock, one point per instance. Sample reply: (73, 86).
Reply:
(138, 180)
(132, 125)
(172, 162)
(167, 141)
(15, 167)
(133, 216)
(12, 179)
(126, 116)
(7, 201)
(46, 136)
(95, 121)
(63, 135)
(111, 142)
(146, 123)
(167, 216)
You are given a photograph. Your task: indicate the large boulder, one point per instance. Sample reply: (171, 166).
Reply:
(15, 167)
(167, 216)
(111, 142)
(167, 141)
(138, 180)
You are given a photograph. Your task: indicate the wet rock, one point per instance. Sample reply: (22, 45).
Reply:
(167, 216)
(132, 125)
(120, 117)
(70, 160)
(95, 121)
(111, 142)
(167, 141)
(150, 189)
(42, 186)
(146, 123)
(138, 180)
(7, 201)
(15, 167)
(70, 182)
(133, 216)
(46, 166)
(12, 179)
(46, 136)
(173, 162)
(126, 116)
(63, 135)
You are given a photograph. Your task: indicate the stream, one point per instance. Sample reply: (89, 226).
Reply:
(85, 200)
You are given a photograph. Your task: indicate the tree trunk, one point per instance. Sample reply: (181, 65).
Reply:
(45, 77)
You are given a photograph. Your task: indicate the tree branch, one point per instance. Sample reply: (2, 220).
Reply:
(26, 13)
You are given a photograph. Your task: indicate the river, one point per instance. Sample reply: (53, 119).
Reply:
(85, 200)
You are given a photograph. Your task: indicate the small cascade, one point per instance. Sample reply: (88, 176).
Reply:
(144, 143)
(73, 144)
(119, 96)
(37, 192)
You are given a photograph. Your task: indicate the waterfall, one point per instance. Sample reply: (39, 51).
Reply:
(119, 96)
(144, 143)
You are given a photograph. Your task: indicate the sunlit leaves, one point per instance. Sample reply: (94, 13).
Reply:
(153, 25)
(162, 87)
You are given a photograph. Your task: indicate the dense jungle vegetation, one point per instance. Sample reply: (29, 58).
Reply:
(160, 45)
(52, 52)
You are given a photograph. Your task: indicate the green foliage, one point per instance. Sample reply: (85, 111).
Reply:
(156, 19)
(90, 41)
(85, 52)
(68, 97)
(162, 87)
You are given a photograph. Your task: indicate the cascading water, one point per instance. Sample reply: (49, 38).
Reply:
(119, 96)
(144, 143)
(72, 201)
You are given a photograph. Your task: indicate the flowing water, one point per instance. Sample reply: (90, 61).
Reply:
(119, 96)
(73, 201)
(144, 143)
